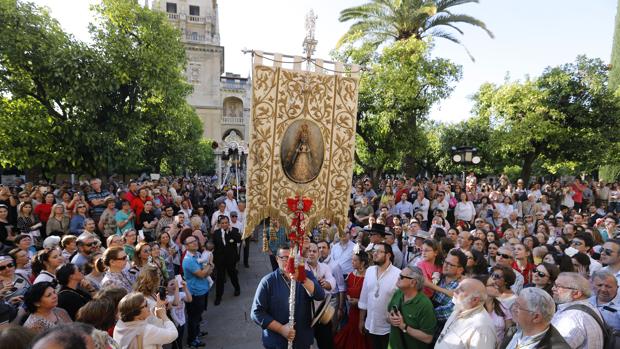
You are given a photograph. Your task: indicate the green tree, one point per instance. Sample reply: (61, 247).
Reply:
(394, 100)
(381, 21)
(94, 108)
(561, 119)
(614, 73)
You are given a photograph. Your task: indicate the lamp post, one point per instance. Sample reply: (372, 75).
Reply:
(465, 156)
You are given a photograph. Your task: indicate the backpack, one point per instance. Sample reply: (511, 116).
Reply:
(610, 337)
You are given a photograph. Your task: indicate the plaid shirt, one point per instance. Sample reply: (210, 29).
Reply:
(442, 302)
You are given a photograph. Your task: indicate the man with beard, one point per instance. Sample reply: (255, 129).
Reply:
(574, 318)
(377, 290)
(470, 325)
(86, 246)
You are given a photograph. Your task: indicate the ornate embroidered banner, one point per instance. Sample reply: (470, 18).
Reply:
(302, 142)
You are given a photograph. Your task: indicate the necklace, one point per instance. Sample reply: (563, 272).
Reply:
(379, 277)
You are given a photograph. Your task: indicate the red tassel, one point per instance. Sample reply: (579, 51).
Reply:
(290, 265)
(301, 273)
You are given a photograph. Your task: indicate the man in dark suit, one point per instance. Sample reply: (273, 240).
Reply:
(226, 255)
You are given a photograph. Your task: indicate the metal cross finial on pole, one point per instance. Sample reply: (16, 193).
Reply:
(310, 42)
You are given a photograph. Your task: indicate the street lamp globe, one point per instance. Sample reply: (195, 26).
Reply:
(456, 158)
(475, 160)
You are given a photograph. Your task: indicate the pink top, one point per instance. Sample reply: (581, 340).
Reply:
(428, 269)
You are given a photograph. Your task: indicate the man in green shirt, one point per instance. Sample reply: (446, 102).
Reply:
(411, 312)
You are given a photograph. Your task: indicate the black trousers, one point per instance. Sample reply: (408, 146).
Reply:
(323, 335)
(379, 341)
(195, 308)
(246, 251)
(222, 270)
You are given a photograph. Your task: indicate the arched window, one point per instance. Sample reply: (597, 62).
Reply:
(233, 107)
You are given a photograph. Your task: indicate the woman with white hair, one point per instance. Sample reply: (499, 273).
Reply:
(133, 330)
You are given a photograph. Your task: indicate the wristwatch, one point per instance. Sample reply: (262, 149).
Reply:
(405, 329)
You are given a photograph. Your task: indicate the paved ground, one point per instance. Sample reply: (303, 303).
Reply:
(229, 324)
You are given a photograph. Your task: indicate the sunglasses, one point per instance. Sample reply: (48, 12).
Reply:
(607, 251)
(404, 277)
(10, 265)
(540, 274)
(496, 276)
(91, 244)
(577, 242)
(503, 255)
(121, 258)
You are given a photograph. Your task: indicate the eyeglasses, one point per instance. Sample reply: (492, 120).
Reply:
(496, 276)
(401, 276)
(450, 264)
(23, 196)
(377, 251)
(283, 258)
(121, 258)
(91, 244)
(540, 273)
(503, 255)
(10, 265)
(190, 241)
(577, 242)
(515, 306)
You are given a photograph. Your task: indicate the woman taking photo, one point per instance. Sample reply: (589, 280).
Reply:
(70, 297)
(133, 331)
(170, 253)
(58, 222)
(41, 302)
(44, 265)
(19, 284)
(350, 336)
(113, 264)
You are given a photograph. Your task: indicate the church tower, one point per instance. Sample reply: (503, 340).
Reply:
(222, 101)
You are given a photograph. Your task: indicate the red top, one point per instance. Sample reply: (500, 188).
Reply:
(43, 211)
(137, 205)
(526, 272)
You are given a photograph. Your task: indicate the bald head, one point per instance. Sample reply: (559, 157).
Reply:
(470, 294)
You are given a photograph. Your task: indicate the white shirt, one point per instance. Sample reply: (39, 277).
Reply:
(505, 210)
(231, 205)
(594, 265)
(577, 327)
(422, 207)
(471, 329)
(343, 255)
(214, 224)
(443, 205)
(341, 285)
(322, 271)
(518, 285)
(377, 292)
(465, 211)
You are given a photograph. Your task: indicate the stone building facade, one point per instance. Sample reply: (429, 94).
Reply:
(222, 100)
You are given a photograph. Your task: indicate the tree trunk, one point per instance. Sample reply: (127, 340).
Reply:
(526, 170)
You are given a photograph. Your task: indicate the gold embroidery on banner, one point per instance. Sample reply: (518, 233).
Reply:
(280, 98)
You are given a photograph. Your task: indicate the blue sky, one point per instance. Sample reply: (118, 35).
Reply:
(529, 36)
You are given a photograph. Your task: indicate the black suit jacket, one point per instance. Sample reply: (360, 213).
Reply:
(229, 253)
(552, 340)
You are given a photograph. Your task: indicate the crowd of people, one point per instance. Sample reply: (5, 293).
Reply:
(451, 263)
(115, 266)
(422, 263)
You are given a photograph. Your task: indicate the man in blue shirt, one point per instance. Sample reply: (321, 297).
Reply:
(270, 308)
(196, 276)
(605, 298)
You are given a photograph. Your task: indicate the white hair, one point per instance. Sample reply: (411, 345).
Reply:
(538, 300)
(579, 282)
(417, 275)
(604, 275)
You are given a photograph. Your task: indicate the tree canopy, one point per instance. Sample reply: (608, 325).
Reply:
(382, 21)
(116, 104)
